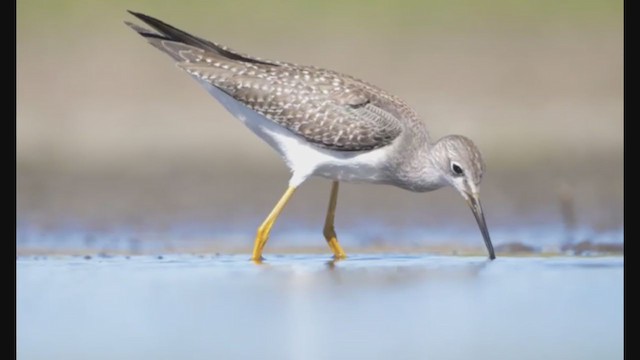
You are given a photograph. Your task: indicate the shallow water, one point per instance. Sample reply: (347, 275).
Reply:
(307, 307)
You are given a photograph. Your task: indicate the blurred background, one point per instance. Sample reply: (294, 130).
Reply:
(118, 150)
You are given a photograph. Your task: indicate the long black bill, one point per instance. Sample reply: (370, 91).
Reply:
(476, 207)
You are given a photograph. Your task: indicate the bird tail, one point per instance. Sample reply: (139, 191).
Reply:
(172, 40)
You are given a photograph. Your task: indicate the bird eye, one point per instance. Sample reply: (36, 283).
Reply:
(456, 169)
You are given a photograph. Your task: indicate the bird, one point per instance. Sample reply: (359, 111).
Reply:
(325, 124)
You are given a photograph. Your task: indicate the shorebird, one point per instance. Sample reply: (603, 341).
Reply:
(327, 124)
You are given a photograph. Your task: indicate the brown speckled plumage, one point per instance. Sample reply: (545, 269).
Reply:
(329, 109)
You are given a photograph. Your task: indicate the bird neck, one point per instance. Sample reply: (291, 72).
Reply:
(414, 168)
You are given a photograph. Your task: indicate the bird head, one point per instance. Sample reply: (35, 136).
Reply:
(461, 165)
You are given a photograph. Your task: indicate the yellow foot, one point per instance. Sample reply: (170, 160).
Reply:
(263, 231)
(337, 258)
(333, 243)
(341, 256)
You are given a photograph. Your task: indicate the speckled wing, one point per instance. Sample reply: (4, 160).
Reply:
(331, 110)
(325, 109)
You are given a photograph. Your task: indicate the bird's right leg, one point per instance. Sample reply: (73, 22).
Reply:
(263, 231)
(329, 231)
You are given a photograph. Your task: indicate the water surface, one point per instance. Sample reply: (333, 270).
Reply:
(402, 306)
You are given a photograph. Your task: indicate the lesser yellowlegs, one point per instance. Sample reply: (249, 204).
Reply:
(327, 124)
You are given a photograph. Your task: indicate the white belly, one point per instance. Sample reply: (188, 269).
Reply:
(304, 160)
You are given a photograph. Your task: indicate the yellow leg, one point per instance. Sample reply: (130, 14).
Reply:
(264, 229)
(329, 231)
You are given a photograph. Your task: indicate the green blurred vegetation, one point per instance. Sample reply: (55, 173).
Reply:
(335, 14)
(107, 128)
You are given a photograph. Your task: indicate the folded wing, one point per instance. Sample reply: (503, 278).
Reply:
(331, 110)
